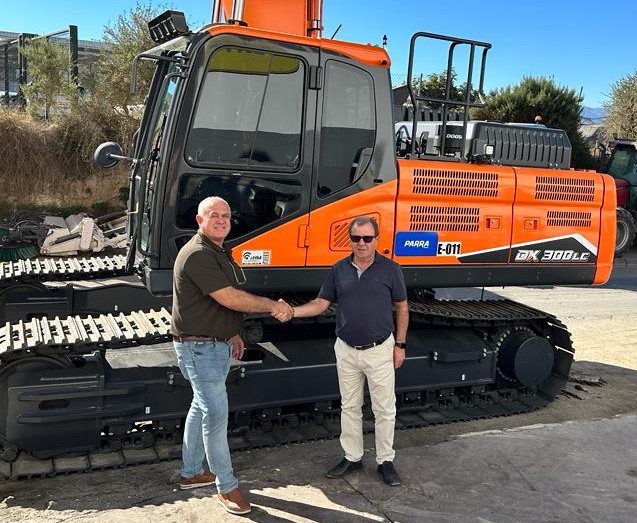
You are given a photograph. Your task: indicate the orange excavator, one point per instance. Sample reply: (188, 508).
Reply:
(297, 132)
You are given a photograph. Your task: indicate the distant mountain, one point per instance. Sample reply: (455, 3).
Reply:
(593, 114)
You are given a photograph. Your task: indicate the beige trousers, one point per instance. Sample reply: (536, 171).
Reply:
(353, 366)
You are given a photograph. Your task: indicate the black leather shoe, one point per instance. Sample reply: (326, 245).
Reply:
(389, 474)
(343, 468)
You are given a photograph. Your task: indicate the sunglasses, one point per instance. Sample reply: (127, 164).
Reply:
(355, 238)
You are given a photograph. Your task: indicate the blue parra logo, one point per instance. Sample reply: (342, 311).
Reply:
(416, 243)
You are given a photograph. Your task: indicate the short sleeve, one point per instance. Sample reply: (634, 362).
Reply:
(398, 287)
(328, 289)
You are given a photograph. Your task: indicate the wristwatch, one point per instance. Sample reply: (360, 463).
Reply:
(400, 344)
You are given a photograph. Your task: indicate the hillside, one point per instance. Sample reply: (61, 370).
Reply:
(593, 115)
(50, 166)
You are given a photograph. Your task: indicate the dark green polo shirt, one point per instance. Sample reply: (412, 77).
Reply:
(203, 267)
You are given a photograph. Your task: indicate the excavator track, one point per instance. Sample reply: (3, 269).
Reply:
(62, 269)
(78, 334)
(82, 335)
(150, 446)
(149, 443)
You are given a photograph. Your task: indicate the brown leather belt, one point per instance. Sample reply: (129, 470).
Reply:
(181, 339)
(379, 341)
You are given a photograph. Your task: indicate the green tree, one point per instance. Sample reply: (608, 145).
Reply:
(621, 110)
(560, 107)
(127, 38)
(49, 71)
(109, 102)
(435, 86)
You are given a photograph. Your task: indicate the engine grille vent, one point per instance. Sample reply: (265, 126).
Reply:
(568, 219)
(340, 236)
(455, 183)
(339, 232)
(564, 189)
(435, 218)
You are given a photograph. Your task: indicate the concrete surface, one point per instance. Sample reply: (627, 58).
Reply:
(573, 472)
(532, 474)
(626, 259)
(542, 473)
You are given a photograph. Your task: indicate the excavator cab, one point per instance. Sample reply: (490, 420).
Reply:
(279, 128)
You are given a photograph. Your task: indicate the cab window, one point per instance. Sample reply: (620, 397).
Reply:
(623, 165)
(348, 127)
(249, 112)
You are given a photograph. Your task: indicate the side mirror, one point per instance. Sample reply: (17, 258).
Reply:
(109, 154)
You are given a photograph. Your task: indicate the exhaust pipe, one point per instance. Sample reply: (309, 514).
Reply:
(316, 19)
(237, 11)
(216, 11)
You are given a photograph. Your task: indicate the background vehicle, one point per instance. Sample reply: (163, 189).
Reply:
(296, 133)
(622, 165)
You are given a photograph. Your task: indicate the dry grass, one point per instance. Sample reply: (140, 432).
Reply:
(45, 164)
(25, 149)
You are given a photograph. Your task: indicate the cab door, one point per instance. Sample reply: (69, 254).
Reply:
(248, 120)
(354, 171)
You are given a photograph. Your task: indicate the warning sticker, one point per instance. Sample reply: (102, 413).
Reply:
(256, 257)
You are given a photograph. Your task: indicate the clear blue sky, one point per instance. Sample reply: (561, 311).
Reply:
(582, 44)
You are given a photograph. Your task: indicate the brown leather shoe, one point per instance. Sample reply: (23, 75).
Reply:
(200, 480)
(235, 502)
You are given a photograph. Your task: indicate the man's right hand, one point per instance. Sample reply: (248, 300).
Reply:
(282, 311)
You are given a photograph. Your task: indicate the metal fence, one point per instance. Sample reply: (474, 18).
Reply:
(14, 69)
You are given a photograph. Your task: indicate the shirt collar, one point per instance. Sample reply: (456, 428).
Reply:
(351, 259)
(213, 245)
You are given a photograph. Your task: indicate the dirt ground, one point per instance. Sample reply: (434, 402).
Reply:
(287, 483)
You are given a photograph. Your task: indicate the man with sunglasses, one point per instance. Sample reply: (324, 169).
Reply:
(206, 321)
(366, 286)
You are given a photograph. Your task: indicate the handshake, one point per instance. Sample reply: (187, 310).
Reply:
(282, 311)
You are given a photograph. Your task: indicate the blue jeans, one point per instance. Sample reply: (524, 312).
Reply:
(205, 364)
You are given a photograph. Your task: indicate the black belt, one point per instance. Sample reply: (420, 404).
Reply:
(181, 339)
(379, 341)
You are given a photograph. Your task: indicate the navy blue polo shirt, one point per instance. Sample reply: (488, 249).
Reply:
(364, 311)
